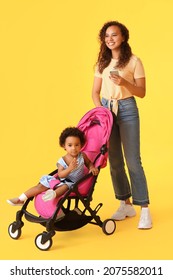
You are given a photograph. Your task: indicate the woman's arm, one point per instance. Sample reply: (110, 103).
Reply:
(137, 89)
(96, 91)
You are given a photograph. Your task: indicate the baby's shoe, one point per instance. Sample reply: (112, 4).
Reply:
(145, 221)
(15, 201)
(125, 210)
(49, 195)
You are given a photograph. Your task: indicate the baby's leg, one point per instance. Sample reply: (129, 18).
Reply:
(35, 190)
(61, 190)
(17, 201)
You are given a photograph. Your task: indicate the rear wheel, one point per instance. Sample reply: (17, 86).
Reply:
(109, 226)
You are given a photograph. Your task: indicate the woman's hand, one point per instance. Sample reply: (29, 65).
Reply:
(136, 89)
(118, 80)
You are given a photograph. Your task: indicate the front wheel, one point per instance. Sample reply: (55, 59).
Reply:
(15, 234)
(109, 226)
(40, 245)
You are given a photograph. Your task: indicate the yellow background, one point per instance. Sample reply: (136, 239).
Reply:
(47, 53)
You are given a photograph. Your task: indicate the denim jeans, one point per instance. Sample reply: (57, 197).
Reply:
(124, 146)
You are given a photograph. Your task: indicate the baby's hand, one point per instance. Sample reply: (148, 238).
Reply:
(94, 171)
(73, 164)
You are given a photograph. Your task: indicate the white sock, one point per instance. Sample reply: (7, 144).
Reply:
(23, 197)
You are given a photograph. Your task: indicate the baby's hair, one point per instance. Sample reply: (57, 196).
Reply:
(71, 131)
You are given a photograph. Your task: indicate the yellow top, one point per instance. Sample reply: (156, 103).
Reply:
(133, 70)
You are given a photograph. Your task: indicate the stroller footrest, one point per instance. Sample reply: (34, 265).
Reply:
(32, 218)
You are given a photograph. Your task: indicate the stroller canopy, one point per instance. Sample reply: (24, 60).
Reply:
(97, 126)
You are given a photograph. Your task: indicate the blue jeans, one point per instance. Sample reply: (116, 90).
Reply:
(125, 145)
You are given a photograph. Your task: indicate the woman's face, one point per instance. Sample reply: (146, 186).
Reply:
(113, 37)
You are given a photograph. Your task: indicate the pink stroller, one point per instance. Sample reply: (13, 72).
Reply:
(70, 211)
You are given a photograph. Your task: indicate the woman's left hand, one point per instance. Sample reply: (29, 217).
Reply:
(118, 80)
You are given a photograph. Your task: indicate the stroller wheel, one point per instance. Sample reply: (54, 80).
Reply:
(14, 233)
(40, 245)
(109, 226)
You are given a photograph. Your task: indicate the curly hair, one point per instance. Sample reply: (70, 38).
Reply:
(105, 54)
(71, 131)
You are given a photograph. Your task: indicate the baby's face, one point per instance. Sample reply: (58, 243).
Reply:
(72, 145)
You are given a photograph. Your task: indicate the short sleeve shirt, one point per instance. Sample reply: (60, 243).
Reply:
(78, 172)
(133, 70)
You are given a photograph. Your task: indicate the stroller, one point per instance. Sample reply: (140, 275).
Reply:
(70, 211)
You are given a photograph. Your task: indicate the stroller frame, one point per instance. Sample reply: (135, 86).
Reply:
(72, 219)
(66, 217)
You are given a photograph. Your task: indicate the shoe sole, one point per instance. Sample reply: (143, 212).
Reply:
(14, 204)
(145, 228)
(123, 218)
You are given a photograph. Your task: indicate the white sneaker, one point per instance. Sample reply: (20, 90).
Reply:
(125, 210)
(145, 221)
(49, 195)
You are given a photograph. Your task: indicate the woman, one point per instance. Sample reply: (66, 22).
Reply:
(119, 78)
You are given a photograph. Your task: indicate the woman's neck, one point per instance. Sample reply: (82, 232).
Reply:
(115, 54)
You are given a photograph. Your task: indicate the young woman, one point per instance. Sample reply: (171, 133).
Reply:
(70, 168)
(119, 78)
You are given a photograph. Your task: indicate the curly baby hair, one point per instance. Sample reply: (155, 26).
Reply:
(105, 54)
(71, 131)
